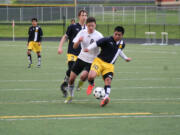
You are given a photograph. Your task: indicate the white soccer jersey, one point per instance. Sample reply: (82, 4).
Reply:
(88, 39)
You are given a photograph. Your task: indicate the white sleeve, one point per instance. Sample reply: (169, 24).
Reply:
(122, 55)
(92, 46)
(76, 39)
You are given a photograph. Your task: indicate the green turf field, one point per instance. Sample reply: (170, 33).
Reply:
(145, 96)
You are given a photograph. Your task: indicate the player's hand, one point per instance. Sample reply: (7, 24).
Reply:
(128, 59)
(80, 39)
(39, 43)
(86, 50)
(27, 44)
(60, 51)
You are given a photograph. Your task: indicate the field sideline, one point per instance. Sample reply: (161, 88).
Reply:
(145, 94)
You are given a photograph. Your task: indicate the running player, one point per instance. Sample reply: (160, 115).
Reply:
(85, 38)
(72, 53)
(111, 48)
(34, 42)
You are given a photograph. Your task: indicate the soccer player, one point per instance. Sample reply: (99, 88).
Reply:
(72, 53)
(73, 21)
(111, 48)
(85, 38)
(34, 42)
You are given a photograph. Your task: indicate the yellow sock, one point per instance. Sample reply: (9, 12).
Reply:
(80, 84)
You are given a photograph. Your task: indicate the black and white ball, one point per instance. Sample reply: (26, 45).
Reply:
(99, 93)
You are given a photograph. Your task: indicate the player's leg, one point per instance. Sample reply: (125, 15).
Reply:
(91, 77)
(76, 70)
(29, 58)
(64, 85)
(94, 71)
(107, 76)
(39, 59)
(29, 47)
(107, 81)
(83, 76)
(70, 87)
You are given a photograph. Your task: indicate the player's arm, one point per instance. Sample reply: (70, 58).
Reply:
(122, 55)
(78, 39)
(40, 35)
(64, 38)
(99, 43)
(76, 44)
(29, 34)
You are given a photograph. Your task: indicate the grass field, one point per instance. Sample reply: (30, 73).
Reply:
(145, 96)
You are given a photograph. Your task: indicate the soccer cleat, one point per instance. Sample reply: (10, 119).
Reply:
(38, 65)
(64, 87)
(30, 65)
(89, 89)
(68, 100)
(105, 101)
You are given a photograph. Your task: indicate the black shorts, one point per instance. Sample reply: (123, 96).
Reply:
(80, 65)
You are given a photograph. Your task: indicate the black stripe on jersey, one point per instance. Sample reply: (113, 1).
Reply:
(109, 49)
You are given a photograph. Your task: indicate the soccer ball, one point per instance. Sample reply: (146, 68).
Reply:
(99, 93)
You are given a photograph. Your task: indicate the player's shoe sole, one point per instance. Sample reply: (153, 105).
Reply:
(89, 89)
(38, 66)
(68, 100)
(104, 102)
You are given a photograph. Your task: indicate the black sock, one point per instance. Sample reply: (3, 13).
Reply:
(66, 78)
(29, 58)
(107, 89)
(91, 82)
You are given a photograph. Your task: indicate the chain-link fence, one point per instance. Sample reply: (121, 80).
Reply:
(122, 15)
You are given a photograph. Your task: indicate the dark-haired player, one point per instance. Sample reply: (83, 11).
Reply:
(72, 53)
(34, 42)
(103, 64)
(83, 64)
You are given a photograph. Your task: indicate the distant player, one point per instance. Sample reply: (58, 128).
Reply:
(72, 53)
(111, 48)
(72, 21)
(85, 38)
(34, 42)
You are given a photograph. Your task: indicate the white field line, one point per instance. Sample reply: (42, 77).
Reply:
(92, 101)
(165, 72)
(136, 51)
(159, 52)
(113, 88)
(97, 117)
(115, 79)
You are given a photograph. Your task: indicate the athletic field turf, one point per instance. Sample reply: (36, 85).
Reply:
(145, 96)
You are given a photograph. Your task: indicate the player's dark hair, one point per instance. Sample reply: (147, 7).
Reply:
(119, 29)
(34, 19)
(82, 11)
(90, 19)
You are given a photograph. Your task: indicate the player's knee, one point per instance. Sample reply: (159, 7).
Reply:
(28, 52)
(71, 81)
(83, 78)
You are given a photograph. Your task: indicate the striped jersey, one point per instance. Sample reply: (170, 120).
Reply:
(110, 49)
(35, 34)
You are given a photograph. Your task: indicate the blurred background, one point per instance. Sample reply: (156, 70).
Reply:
(137, 16)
